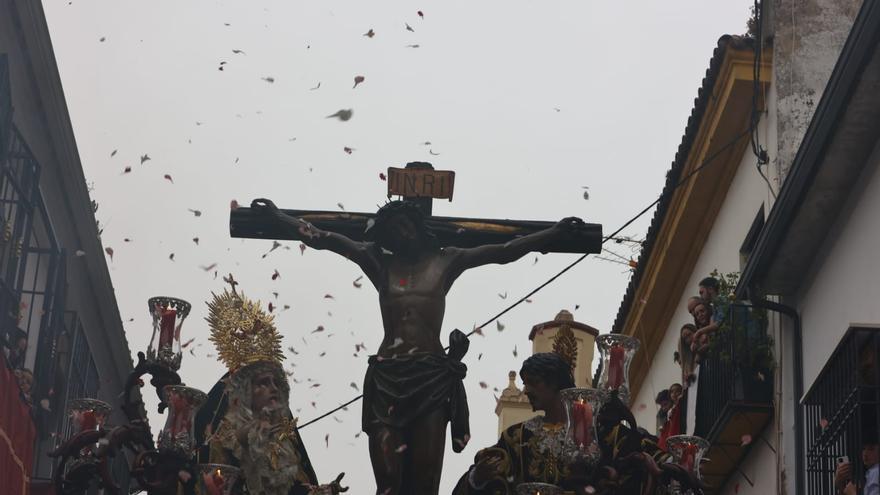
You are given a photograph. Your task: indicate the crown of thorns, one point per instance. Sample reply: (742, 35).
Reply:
(392, 209)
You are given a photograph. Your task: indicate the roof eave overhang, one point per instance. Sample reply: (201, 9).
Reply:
(836, 147)
(688, 220)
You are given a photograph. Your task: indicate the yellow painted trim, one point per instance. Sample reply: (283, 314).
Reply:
(688, 222)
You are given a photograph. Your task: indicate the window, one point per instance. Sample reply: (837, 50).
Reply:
(751, 239)
(841, 408)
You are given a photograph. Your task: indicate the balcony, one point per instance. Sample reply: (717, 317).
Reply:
(841, 408)
(735, 392)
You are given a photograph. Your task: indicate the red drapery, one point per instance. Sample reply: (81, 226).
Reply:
(17, 435)
(673, 423)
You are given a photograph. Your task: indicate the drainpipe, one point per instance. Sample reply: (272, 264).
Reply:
(798, 384)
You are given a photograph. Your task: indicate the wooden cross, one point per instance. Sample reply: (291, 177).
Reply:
(419, 183)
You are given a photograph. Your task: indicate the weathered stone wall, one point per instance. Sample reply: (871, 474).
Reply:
(807, 38)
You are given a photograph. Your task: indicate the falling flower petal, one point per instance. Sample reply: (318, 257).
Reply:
(357, 282)
(275, 275)
(370, 33)
(745, 440)
(343, 115)
(144, 158)
(271, 307)
(126, 170)
(268, 79)
(239, 52)
(400, 449)
(171, 256)
(823, 423)
(514, 351)
(319, 329)
(302, 249)
(169, 179)
(409, 28)
(113, 153)
(195, 212)
(421, 14)
(233, 205)
(196, 240)
(484, 385)
(382, 176)
(109, 251)
(499, 325)
(80, 253)
(357, 80)
(329, 296)
(314, 88)
(347, 149)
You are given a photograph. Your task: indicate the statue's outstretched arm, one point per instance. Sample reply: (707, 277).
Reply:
(362, 253)
(517, 248)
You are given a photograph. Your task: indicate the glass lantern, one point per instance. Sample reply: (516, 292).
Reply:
(538, 489)
(177, 436)
(617, 353)
(581, 408)
(168, 315)
(217, 479)
(687, 451)
(88, 414)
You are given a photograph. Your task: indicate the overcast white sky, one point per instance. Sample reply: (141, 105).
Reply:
(527, 101)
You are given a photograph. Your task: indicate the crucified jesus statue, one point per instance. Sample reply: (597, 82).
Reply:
(413, 388)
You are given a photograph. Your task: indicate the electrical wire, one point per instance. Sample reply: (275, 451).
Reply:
(613, 235)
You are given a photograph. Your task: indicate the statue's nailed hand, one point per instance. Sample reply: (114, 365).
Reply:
(570, 225)
(336, 485)
(265, 206)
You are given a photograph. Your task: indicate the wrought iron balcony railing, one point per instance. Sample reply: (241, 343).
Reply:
(735, 390)
(842, 409)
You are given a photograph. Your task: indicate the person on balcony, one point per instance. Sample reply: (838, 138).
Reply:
(692, 303)
(665, 402)
(705, 327)
(685, 355)
(843, 481)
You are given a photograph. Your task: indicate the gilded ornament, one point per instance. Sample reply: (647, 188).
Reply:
(241, 331)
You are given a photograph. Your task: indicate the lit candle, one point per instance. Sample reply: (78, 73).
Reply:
(583, 423)
(615, 366)
(182, 414)
(166, 330)
(87, 420)
(688, 456)
(214, 482)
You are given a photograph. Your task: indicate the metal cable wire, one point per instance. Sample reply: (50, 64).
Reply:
(519, 301)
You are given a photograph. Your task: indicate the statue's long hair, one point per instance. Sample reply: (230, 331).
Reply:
(252, 445)
(378, 231)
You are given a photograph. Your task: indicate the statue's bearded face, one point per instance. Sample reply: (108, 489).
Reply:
(265, 391)
(401, 234)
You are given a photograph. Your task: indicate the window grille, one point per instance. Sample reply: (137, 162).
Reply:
(841, 409)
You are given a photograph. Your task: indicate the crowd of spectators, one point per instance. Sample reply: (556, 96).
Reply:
(693, 344)
(14, 349)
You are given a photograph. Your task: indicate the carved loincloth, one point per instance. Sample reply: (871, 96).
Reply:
(400, 390)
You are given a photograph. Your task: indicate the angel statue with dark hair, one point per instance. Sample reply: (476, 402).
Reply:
(246, 421)
(534, 451)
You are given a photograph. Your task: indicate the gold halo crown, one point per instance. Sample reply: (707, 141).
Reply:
(241, 331)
